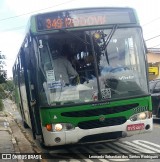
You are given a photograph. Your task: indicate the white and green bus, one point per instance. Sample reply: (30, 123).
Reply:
(108, 98)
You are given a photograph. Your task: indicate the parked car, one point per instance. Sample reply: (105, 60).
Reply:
(155, 95)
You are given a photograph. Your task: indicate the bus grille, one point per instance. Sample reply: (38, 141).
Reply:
(101, 137)
(99, 111)
(97, 123)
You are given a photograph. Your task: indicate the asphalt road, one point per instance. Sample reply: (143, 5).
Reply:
(127, 149)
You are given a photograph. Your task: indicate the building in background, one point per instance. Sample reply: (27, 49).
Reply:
(153, 57)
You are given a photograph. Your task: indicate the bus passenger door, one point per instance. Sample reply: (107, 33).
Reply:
(22, 87)
(31, 73)
(27, 91)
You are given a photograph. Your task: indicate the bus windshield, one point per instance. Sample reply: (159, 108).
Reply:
(102, 65)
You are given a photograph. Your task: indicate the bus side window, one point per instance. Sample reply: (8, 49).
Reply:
(45, 59)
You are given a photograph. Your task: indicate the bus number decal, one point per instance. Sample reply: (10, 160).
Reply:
(48, 23)
(55, 23)
(68, 22)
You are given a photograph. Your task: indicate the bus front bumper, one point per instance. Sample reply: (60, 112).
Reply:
(129, 128)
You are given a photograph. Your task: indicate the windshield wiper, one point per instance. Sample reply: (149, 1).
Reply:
(110, 36)
(107, 42)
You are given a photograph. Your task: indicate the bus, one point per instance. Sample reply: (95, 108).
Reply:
(109, 97)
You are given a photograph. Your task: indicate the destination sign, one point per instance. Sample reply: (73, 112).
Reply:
(85, 17)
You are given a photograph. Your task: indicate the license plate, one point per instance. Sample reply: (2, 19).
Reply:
(134, 127)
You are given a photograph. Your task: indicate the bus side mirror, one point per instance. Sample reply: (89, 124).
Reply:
(145, 46)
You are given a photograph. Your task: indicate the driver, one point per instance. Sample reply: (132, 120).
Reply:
(63, 69)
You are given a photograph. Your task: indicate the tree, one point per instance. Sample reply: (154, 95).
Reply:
(3, 73)
(8, 88)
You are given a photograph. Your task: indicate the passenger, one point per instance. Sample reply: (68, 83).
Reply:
(63, 69)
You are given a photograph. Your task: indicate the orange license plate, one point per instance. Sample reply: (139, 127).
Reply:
(134, 127)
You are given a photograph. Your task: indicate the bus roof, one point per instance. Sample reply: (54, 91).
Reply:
(81, 17)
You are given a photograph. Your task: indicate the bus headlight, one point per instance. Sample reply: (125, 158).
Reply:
(60, 127)
(140, 116)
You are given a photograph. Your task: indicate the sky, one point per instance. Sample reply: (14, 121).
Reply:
(14, 15)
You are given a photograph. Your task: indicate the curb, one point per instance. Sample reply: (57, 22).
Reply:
(14, 142)
(20, 138)
(17, 148)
